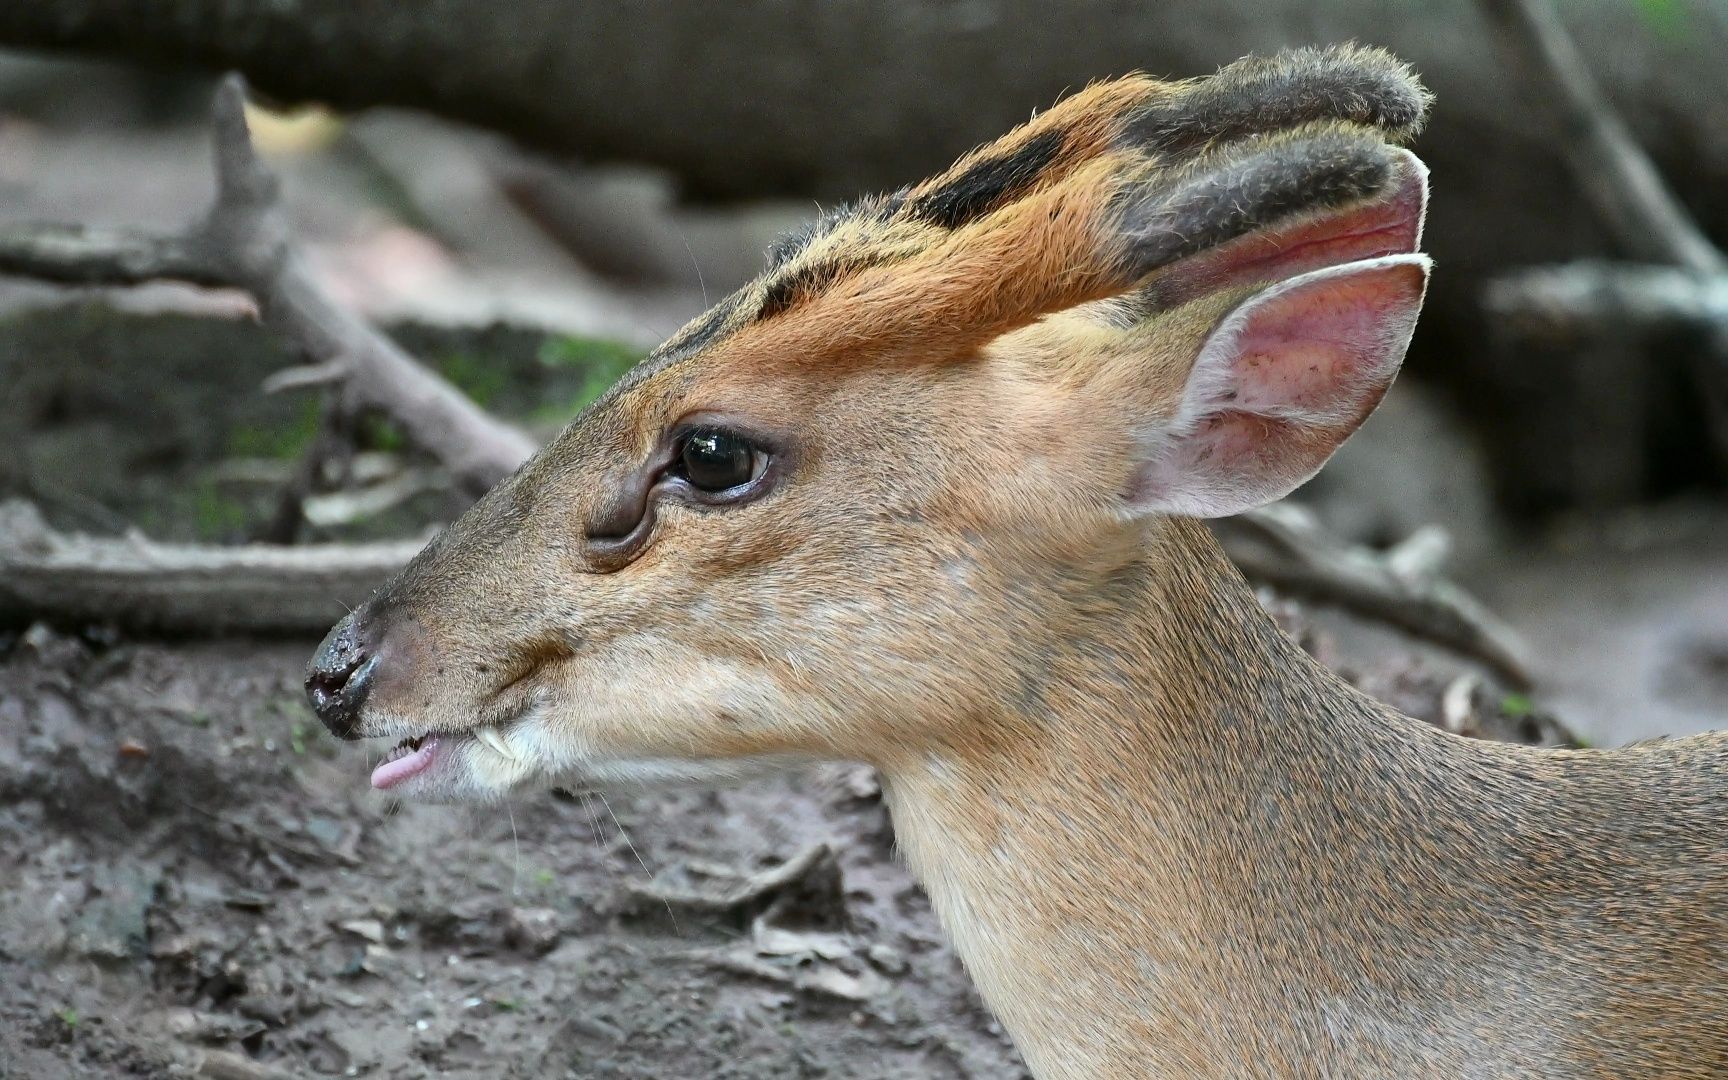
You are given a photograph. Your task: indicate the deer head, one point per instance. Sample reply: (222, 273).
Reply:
(825, 518)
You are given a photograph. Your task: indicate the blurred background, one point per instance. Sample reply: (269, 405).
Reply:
(528, 196)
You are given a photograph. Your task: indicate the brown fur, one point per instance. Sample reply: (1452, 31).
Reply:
(1165, 841)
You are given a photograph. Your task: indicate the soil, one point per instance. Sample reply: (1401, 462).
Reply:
(188, 863)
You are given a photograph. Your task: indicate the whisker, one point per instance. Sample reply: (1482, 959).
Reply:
(516, 849)
(676, 929)
(695, 264)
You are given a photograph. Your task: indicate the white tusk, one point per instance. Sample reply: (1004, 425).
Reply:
(495, 741)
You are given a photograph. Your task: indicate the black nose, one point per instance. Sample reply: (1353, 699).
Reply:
(339, 676)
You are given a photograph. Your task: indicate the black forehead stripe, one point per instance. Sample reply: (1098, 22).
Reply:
(790, 246)
(787, 289)
(714, 324)
(809, 280)
(987, 183)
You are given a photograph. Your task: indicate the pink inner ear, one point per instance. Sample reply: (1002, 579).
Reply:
(1303, 352)
(1279, 385)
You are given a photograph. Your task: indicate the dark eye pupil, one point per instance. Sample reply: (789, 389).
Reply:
(715, 460)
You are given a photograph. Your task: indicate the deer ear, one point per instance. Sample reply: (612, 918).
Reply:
(1278, 385)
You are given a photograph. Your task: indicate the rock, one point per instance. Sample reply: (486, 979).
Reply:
(113, 924)
(533, 932)
(887, 959)
(370, 929)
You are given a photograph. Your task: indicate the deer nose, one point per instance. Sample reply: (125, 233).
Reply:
(340, 675)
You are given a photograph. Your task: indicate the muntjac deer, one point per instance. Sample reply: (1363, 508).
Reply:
(925, 495)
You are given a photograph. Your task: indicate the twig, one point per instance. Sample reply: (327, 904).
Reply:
(1607, 160)
(829, 981)
(1619, 176)
(814, 867)
(328, 441)
(76, 255)
(244, 242)
(1282, 546)
(1594, 296)
(183, 588)
(1601, 298)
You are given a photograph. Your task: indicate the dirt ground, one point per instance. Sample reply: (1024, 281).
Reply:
(187, 862)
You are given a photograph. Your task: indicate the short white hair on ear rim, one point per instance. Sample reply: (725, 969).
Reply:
(1278, 385)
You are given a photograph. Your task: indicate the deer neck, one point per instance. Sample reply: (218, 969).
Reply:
(1178, 726)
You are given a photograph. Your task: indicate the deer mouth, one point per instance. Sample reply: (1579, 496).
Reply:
(416, 755)
(408, 758)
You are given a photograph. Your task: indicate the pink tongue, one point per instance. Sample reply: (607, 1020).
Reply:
(391, 773)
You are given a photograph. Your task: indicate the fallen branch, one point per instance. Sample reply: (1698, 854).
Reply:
(206, 589)
(1619, 177)
(1282, 546)
(1606, 160)
(183, 588)
(244, 242)
(1595, 297)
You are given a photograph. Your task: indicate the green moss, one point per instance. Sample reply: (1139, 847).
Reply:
(1665, 18)
(601, 363)
(1517, 706)
(216, 516)
(480, 378)
(285, 440)
(380, 433)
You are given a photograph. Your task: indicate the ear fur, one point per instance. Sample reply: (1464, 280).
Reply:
(1278, 385)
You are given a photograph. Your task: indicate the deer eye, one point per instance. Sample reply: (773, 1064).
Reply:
(714, 461)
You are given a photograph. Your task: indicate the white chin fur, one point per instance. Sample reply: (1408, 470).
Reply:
(525, 755)
(674, 772)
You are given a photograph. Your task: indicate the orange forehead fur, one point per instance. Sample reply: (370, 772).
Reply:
(1040, 254)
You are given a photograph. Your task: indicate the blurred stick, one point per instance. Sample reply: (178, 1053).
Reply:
(1283, 546)
(1595, 297)
(1629, 193)
(1606, 160)
(244, 242)
(183, 588)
